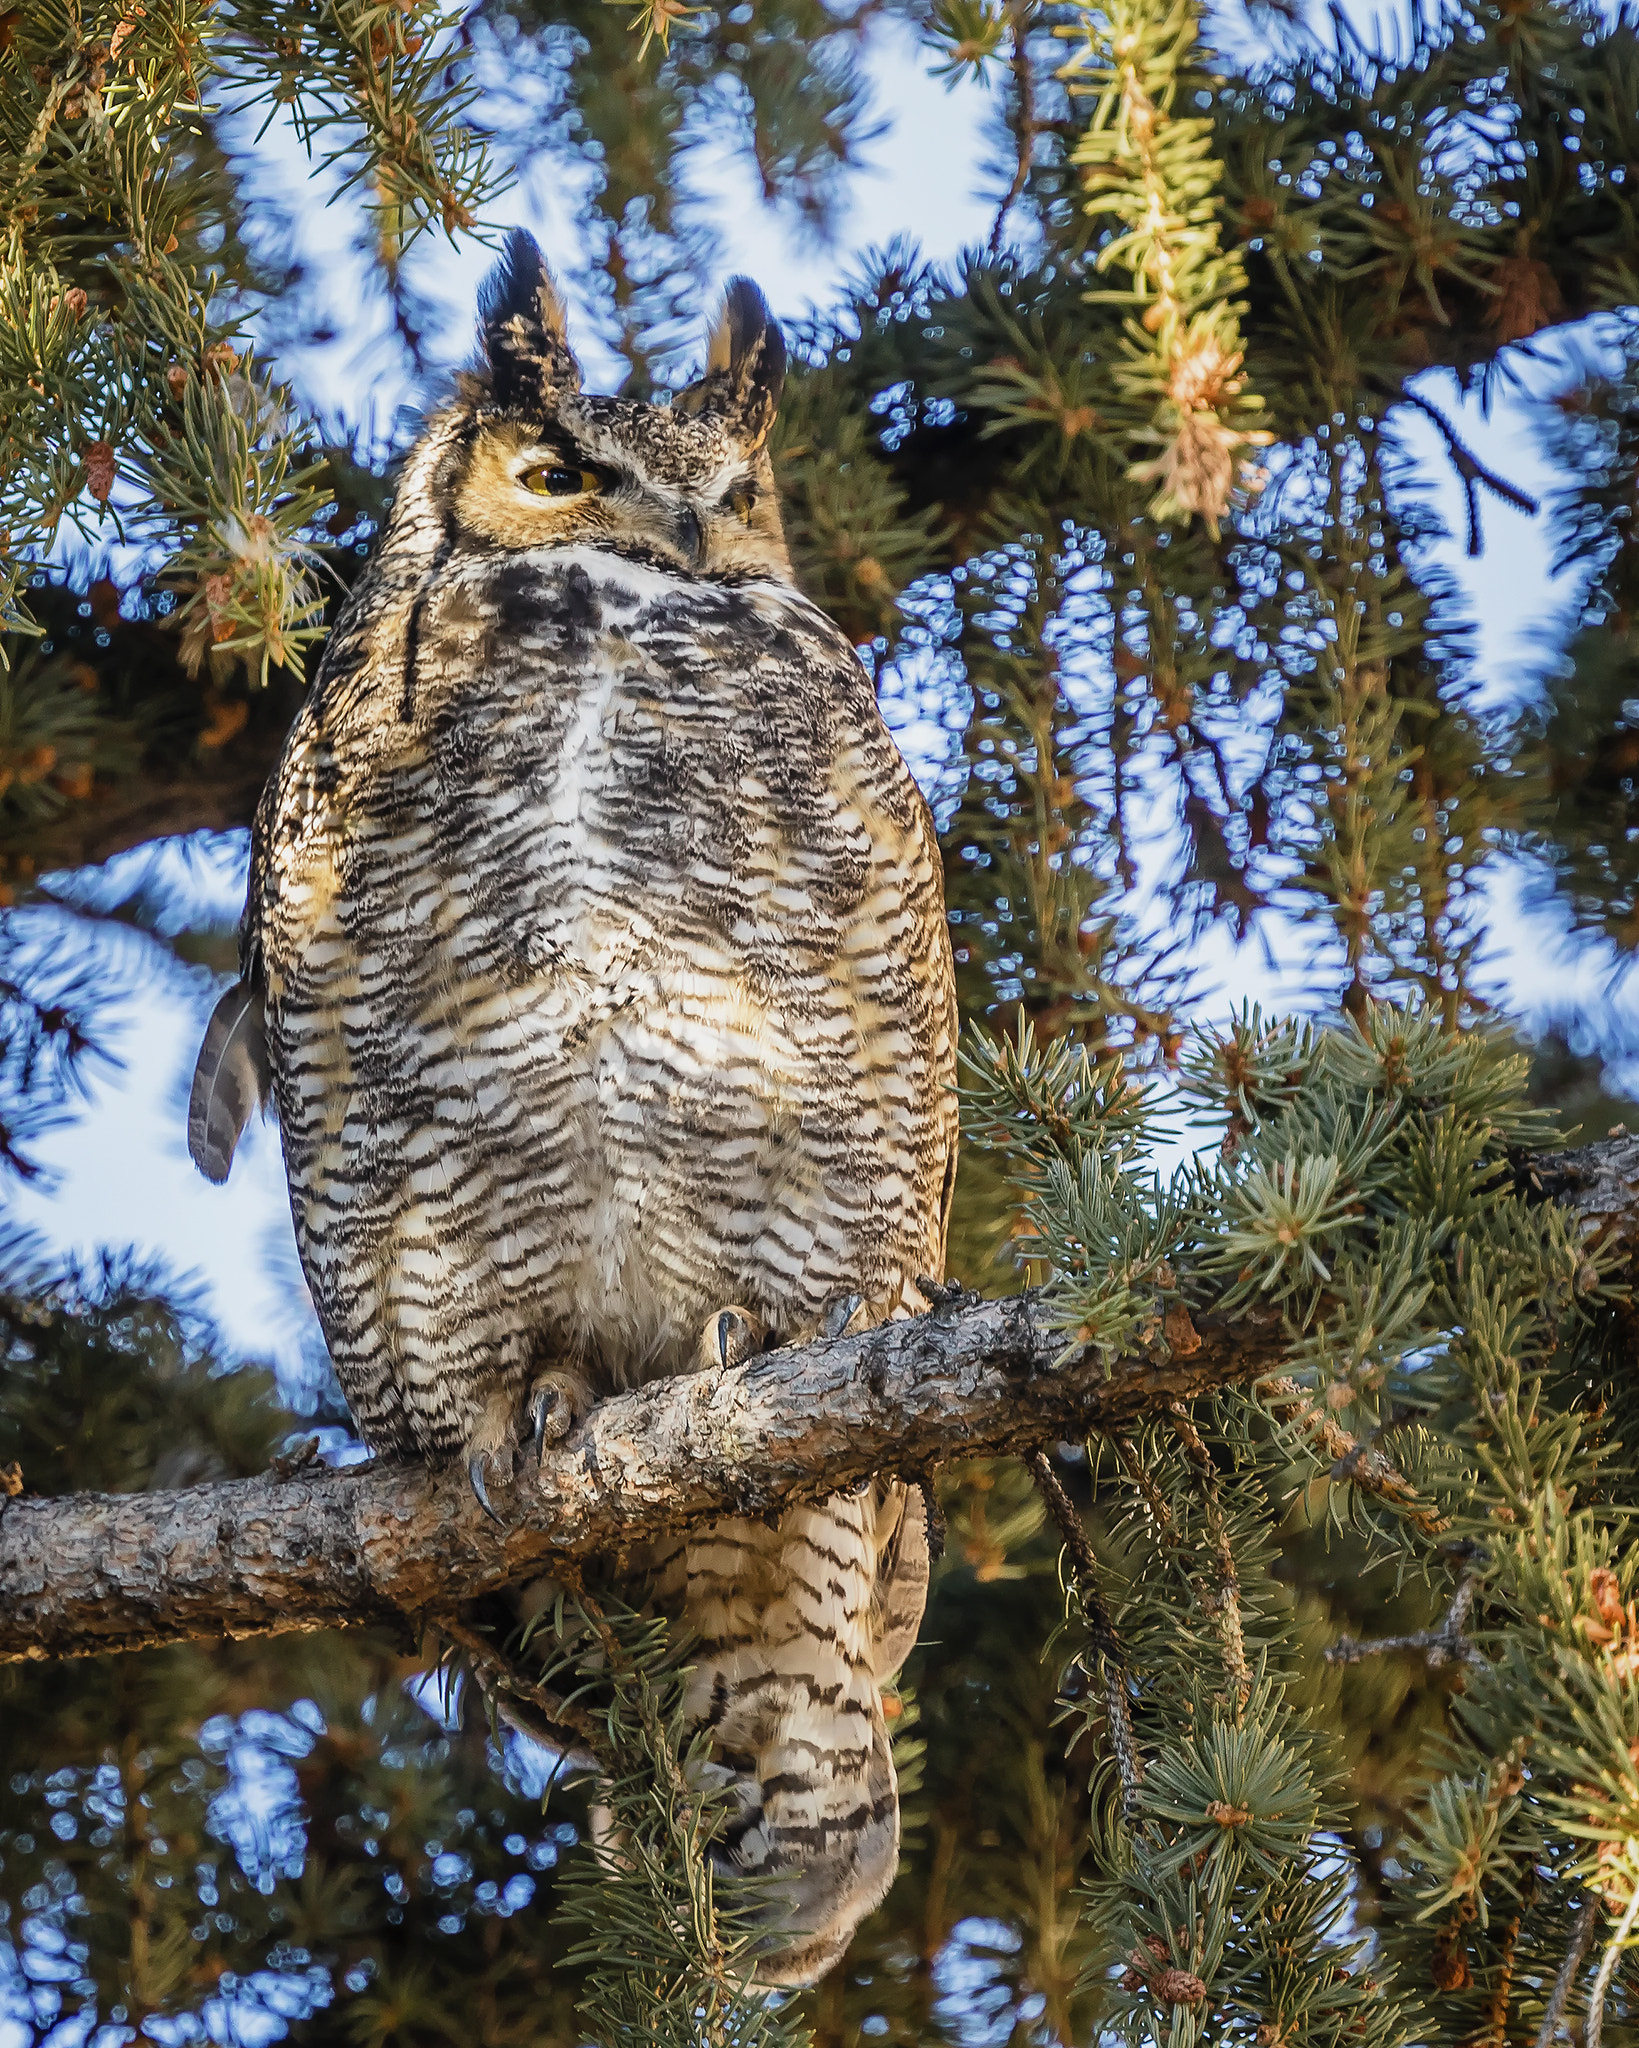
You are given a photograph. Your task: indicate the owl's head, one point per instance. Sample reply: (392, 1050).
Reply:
(686, 486)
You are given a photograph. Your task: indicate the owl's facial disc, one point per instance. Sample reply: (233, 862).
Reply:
(523, 486)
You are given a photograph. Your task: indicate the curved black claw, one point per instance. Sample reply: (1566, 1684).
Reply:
(738, 1338)
(545, 1405)
(839, 1313)
(476, 1465)
(556, 1402)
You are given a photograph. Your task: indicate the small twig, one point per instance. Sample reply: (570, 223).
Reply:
(1226, 1609)
(1595, 2028)
(1100, 1626)
(291, 1462)
(1440, 1646)
(1473, 472)
(1569, 1970)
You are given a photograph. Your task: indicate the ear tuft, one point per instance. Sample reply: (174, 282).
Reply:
(524, 332)
(745, 366)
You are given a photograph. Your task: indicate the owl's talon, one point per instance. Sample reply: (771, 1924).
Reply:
(477, 1464)
(839, 1313)
(490, 1447)
(731, 1337)
(557, 1401)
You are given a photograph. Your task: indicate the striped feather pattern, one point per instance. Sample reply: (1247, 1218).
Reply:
(607, 982)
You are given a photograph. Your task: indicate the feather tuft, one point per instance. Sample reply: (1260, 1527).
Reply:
(231, 1079)
(745, 367)
(524, 330)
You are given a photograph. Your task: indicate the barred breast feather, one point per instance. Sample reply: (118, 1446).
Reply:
(608, 987)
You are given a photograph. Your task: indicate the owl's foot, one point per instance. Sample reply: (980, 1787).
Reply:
(490, 1449)
(557, 1401)
(843, 1314)
(730, 1337)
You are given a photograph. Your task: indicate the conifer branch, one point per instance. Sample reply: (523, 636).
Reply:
(537, 1708)
(1355, 1461)
(1101, 1631)
(1153, 174)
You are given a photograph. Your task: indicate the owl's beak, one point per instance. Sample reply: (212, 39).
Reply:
(690, 535)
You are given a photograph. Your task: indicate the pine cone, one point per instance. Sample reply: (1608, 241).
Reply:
(99, 470)
(1179, 1987)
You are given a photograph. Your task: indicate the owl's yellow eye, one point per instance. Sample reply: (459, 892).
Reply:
(557, 480)
(742, 501)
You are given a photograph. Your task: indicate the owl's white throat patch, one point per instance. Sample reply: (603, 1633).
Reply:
(628, 588)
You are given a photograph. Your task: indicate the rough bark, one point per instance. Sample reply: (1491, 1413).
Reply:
(1599, 1181)
(317, 1548)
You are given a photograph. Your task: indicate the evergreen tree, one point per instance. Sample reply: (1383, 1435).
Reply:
(1306, 1715)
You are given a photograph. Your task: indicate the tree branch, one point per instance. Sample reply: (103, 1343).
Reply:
(317, 1548)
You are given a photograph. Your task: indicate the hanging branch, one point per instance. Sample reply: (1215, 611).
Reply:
(1102, 1637)
(1569, 1970)
(1153, 173)
(1225, 1604)
(1593, 2033)
(1027, 125)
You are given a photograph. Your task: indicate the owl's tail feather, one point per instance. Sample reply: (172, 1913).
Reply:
(232, 1077)
(797, 1625)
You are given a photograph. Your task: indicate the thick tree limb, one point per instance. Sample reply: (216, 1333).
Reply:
(1600, 1181)
(324, 1549)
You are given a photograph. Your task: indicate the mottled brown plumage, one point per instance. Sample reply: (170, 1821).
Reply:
(599, 930)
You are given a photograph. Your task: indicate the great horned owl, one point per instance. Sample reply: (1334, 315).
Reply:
(595, 956)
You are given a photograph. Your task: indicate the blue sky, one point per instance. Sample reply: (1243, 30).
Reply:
(122, 1175)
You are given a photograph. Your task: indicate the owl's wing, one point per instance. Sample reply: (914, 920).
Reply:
(233, 1074)
(902, 1568)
